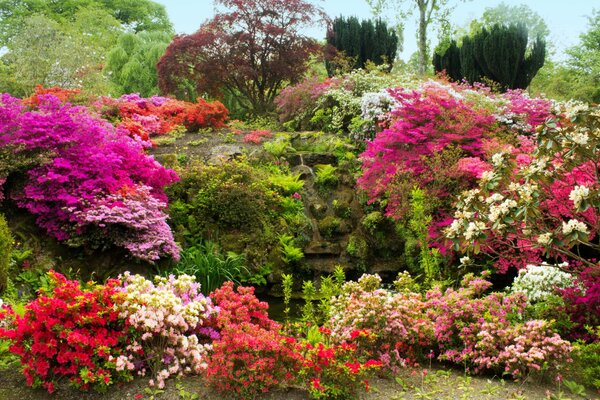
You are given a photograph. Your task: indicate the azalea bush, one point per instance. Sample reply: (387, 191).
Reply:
(464, 326)
(251, 356)
(71, 332)
(169, 326)
(86, 183)
(335, 371)
(146, 117)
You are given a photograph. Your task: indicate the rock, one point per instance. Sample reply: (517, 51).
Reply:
(322, 248)
(224, 153)
(311, 159)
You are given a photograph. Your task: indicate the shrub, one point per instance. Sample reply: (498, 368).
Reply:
(462, 326)
(72, 332)
(251, 356)
(334, 371)
(85, 183)
(169, 321)
(540, 282)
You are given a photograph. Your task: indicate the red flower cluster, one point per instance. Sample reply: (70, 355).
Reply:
(70, 331)
(144, 117)
(257, 136)
(251, 356)
(63, 95)
(336, 371)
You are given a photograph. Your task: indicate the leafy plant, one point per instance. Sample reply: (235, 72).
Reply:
(279, 147)
(289, 252)
(326, 175)
(287, 184)
(211, 269)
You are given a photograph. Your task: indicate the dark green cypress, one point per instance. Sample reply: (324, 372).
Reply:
(364, 41)
(448, 60)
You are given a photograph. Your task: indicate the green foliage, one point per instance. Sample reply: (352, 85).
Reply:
(6, 246)
(586, 363)
(309, 293)
(371, 221)
(447, 58)
(210, 267)
(287, 282)
(326, 175)
(429, 259)
(131, 63)
(286, 184)
(290, 254)
(358, 248)
(233, 204)
(362, 42)
(279, 147)
(50, 54)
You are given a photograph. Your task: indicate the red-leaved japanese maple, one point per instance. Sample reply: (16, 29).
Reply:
(249, 50)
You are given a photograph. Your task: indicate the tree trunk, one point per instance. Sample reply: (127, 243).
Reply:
(422, 36)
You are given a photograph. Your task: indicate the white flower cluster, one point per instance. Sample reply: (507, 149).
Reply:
(573, 107)
(574, 225)
(545, 239)
(538, 282)
(578, 195)
(497, 211)
(375, 105)
(580, 137)
(498, 159)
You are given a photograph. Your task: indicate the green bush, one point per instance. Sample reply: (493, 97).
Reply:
(586, 363)
(329, 226)
(289, 252)
(6, 245)
(232, 204)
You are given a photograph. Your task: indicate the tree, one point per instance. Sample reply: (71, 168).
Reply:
(429, 10)
(500, 54)
(136, 16)
(362, 41)
(248, 50)
(131, 64)
(49, 54)
(507, 15)
(585, 57)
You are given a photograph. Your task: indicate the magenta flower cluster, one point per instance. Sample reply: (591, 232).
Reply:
(87, 183)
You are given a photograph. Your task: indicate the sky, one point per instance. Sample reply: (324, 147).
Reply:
(566, 19)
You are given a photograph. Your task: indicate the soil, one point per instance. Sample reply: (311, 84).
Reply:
(436, 383)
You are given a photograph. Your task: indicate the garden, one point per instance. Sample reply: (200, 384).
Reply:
(245, 212)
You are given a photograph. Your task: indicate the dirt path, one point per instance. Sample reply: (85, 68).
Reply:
(438, 384)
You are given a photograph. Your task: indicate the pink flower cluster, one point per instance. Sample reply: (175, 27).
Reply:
(463, 326)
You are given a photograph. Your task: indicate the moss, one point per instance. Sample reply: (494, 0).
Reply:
(329, 226)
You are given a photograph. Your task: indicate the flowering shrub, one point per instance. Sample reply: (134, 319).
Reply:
(86, 183)
(257, 136)
(71, 332)
(462, 326)
(538, 282)
(582, 304)
(397, 321)
(251, 355)
(63, 95)
(146, 117)
(538, 203)
(335, 371)
(168, 319)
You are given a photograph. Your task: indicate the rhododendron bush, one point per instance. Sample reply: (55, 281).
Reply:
(540, 204)
(86, 183)
(441, 138)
